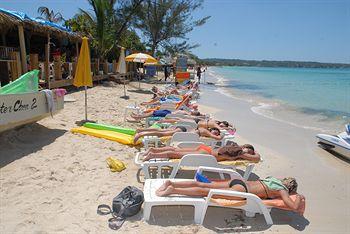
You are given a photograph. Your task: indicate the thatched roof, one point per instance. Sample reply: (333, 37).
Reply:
(8, 22)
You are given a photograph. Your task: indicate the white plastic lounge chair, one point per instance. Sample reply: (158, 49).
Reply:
(190, 136)
(252, 205)
(189, 160)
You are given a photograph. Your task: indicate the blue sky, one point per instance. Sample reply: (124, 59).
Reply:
(308, 30)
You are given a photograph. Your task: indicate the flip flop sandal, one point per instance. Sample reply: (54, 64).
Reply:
(116, 222)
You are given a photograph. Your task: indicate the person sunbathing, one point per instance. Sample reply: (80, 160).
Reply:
(202, 132)
(176, 100)
(269, 188)
(162, 113)
(225, 153)
(208, 123)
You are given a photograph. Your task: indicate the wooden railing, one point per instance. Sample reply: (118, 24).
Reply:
(5, 53)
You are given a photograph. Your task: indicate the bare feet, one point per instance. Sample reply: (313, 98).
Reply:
(146, 157)
(162, 193)
(137, 137)
(132, 120)
(164, 185)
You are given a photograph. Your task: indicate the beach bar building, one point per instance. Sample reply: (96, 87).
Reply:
(28, 43)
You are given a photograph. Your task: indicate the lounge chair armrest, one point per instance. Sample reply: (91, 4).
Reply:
(233, 174)
(208, 141)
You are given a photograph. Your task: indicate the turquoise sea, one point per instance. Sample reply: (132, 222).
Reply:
(307, 97)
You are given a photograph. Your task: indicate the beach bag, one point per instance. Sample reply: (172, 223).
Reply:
(126, 204)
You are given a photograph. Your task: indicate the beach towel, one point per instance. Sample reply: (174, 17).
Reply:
(275, 203)
(49, 99)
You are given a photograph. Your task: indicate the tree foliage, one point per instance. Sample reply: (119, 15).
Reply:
(164, 21)
(48, 15)
(106, 23)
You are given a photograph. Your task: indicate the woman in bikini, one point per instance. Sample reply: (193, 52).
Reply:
(224, 153)
(211, 133)
(268, 188)
(209, 123)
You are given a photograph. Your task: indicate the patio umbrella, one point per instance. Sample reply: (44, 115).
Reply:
(121, 69)
(83, 71)
(140, 58)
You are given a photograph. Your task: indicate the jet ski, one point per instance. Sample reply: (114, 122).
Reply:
(337, 143)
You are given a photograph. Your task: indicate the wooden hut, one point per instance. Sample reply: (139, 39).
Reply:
(27, 44)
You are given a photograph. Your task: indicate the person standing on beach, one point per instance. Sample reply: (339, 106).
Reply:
(199, 71)
(166, 73)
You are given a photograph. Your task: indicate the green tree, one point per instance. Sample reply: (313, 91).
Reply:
(162, 21)
(50, 15)
(106, 23)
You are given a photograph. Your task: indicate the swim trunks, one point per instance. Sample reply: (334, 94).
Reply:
(161, 113)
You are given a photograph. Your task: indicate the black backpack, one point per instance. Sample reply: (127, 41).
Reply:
(126, 204)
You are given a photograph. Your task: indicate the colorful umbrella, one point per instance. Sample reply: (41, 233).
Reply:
(140, 58)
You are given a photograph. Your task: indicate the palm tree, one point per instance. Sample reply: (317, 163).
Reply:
(108, 23)
(50, 15)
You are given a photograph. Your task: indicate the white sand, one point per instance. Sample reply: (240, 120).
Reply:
(53, 180)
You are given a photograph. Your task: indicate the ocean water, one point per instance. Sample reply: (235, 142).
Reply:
(306, 97)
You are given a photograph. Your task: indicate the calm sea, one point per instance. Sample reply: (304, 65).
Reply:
(307, 97)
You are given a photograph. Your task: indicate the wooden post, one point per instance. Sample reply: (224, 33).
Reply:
(77, 49)
(34, 61)
(47, 62)
(57, 67)
(114, 67)
(23, 48)
(98, 66)
(105, 67)
(75, 61)
(16, 69)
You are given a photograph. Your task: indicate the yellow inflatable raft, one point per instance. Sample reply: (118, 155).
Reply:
(109, 135)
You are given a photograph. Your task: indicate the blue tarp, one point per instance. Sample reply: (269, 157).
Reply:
(23, 16)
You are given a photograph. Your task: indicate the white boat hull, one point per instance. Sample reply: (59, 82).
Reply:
(334, 143)
(20, 109)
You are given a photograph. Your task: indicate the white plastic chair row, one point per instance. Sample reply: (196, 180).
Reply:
(193, 137)
(252, 205)
(189, 160)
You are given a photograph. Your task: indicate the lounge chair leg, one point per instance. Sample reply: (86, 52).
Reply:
(147, 208)
(145, 170)
(204, 212)
(268, 218)
(248, 171)
(198, 210)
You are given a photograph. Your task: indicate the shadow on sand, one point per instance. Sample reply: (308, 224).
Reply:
(220, 219)
(19, 142)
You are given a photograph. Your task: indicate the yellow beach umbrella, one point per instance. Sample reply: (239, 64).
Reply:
(83, 75)
(140, 58)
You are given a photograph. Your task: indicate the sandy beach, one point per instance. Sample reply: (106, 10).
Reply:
(52, 180)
